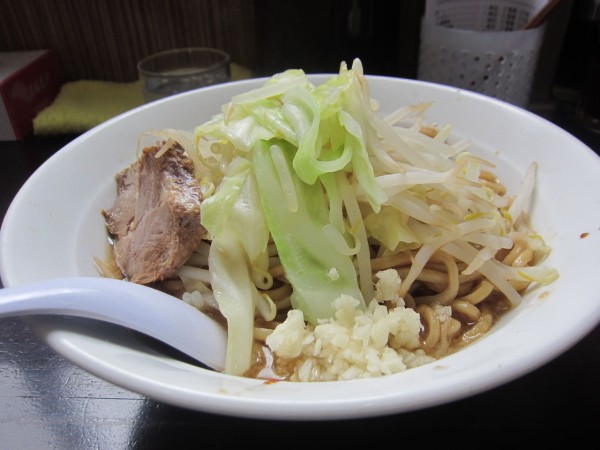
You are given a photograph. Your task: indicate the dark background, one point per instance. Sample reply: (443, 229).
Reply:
(103, 39)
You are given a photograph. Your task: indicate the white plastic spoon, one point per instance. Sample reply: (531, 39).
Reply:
(130, 305)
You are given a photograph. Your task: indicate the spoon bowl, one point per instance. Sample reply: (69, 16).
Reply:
(134, 306)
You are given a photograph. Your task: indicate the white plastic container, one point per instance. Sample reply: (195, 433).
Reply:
(500, 63)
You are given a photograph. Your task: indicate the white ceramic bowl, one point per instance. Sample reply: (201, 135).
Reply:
(54, 228)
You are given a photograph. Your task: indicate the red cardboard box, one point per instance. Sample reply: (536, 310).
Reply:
(29, 81)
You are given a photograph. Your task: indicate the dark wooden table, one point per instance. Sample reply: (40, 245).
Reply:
(47, 402)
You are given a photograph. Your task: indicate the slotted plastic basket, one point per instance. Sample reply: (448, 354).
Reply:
(482, 48)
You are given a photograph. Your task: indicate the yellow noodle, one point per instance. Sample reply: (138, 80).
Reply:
(448, 294)
(431, 322)
(276, 271)
(480, 293)
(489, 180)
(464, 288)
(409, 301)
(524, 258)
(280, 293)
(387, 262)
(480, 327)
(448, 331)
(520, 285)
(518, 247)
(467, 310)
(284, 304)
(426, 275)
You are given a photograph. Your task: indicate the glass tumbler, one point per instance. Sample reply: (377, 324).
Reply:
(179, 70)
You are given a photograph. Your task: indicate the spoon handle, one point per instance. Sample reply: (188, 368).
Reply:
(134, 306)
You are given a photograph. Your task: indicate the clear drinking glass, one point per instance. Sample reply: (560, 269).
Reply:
(184, 69)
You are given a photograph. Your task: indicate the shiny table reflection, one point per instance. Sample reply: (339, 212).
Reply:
(47, 402)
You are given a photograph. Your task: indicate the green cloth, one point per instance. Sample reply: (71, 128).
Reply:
(81, 105)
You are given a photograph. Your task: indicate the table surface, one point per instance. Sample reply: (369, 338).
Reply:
(47, 402)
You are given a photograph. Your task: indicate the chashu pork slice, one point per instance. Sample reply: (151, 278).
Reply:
(155, 219)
